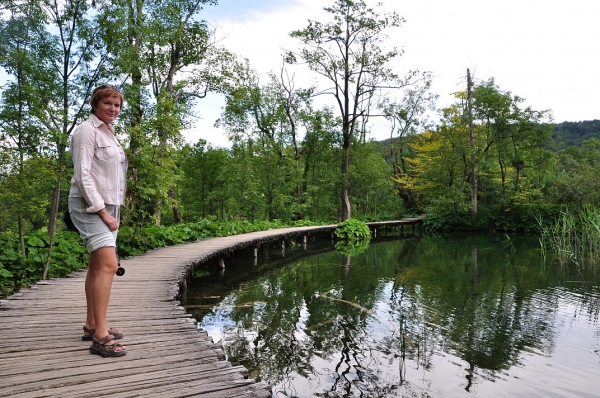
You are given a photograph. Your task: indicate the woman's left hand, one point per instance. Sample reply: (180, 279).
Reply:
(108, 219)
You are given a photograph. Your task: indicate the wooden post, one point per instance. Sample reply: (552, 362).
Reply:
(375, 232)
(304, 240)
(221, 262)
(283, 247)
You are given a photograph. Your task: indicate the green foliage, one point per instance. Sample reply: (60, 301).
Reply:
(575, 180)
(136, 240)
(520, 219)
(573, 237)
(25, 193)
(279, 165)
(199, 273)
(69, 254)
(17, 270)
(168, 58)
(574, 134)
(354, 237)
(348, 51)
(302, 223)
(372, 191)
(203, 187)
(268, 174)
(508, 158)
(353, 247)
(438, 221)
(272, 172)
(353, 230)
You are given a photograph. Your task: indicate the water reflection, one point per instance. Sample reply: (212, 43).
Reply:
(430, 317)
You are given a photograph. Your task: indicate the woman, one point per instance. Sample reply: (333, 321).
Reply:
(97, 192)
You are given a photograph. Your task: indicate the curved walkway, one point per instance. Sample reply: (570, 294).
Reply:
(42, 355)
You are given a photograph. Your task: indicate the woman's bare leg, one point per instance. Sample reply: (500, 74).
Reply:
(90, 280)
(104, 261)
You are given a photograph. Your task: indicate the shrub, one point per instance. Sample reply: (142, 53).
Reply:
(353, 230)
(68, 254)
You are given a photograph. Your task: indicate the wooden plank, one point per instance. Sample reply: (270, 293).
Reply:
(111, 382)
(42, 355)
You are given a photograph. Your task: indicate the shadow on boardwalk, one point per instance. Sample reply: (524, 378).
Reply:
(42, 355)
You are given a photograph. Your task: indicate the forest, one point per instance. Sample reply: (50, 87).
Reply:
(486, 162)
(574, 133)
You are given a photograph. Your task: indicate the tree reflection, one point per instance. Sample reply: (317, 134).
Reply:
(485, 311)
(326, 328)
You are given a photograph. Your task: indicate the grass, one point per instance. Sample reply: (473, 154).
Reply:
(573, 238)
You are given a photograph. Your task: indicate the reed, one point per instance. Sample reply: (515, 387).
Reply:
(573, 238)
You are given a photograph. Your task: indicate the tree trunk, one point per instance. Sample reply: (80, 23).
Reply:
(346, 210)
(21, 234)
(176, 213)
(134, 102)
(472, 144)
(54, 210)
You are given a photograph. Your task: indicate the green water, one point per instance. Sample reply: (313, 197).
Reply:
(428, 317)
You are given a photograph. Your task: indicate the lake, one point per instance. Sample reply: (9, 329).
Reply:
(436, 316)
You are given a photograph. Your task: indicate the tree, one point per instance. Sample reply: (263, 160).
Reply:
(407, 117)
(437, 171)
(76, 61)
(514, 138)
(505, 141)
(182, 58)
(21, 137)
(270, 116)
(25, 195)
(576, 175)
(472, 165)
(371, 189)
(68, 60)
(203, 190)
(348, 52)
(169, 58)
(320, 149)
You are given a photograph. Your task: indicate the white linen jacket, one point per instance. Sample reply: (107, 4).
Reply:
(99, 174)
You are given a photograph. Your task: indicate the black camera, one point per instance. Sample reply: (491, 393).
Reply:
(120, 270)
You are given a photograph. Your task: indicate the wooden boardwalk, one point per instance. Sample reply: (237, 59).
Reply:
(42, 355)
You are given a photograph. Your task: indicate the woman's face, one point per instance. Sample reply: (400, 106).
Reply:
(108, 109)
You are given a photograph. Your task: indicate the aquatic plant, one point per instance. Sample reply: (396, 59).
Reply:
(354, 237)
(352, 248)
(353, 230)
(573, 237)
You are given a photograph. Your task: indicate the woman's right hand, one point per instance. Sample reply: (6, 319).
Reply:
(108, 219)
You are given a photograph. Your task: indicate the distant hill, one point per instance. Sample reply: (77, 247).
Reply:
(564, 134)
(567, 134)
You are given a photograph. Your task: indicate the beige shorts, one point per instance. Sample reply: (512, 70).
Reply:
(94, 232)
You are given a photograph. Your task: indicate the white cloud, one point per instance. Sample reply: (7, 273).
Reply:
(546, 51)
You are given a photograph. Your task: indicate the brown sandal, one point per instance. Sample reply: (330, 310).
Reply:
(88, 334)
(102, 348)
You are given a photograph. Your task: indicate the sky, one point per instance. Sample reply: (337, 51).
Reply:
(546, 51)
